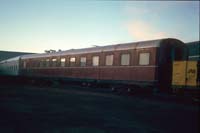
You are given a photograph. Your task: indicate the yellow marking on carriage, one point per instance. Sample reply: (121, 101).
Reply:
(179, 73)
(191, 73)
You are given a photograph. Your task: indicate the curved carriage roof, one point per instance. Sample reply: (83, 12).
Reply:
(10, 59)
(116, 47)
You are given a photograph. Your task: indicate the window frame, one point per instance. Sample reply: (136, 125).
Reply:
(107, 58)
(54, 62)
(83, 57)
(129, 61)
(41, 63)
(71, 62)
(139, 57)
(93, 61)
(24, 64)
(62, 63)
(47, 62)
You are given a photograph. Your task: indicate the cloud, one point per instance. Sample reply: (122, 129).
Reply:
(140, 30)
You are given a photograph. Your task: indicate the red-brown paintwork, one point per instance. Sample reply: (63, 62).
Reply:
(133, 72)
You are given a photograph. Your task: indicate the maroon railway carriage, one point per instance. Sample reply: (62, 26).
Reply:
(147, 63)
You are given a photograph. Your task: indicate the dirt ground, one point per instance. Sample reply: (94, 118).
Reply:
(31, 109)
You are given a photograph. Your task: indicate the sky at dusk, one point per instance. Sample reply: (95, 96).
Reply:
(38, 25)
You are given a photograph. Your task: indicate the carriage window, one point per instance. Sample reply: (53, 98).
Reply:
(125, 59)
(47, 62)
(144, 58)
(37, 63)
(72, 61)
(62, 62)
(24, 64)
(109, 60)
(95, 60)
(83, 61)
(42, 63)
(54, 61)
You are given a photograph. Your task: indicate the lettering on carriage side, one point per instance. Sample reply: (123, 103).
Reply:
(191, 73)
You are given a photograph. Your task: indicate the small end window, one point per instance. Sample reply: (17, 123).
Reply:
(144, 58)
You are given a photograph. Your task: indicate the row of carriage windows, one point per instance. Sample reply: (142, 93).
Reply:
(125, 60)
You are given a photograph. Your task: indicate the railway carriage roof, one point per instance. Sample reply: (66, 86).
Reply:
(116, 47)
(11, 59)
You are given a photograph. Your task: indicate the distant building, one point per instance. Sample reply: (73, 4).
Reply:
(9, 54)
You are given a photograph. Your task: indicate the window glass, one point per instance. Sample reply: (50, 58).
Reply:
(125, 59)
(24, 64)
(109, 60)
(37, 63)
(95, 60)
(83, 61)
(54, 61)
(144, 58)
(72, 59)
(47, 62)
(41, 63)
(62, 62)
